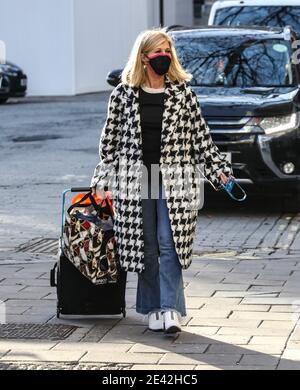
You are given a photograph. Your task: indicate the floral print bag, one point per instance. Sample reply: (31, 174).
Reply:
(88, 239)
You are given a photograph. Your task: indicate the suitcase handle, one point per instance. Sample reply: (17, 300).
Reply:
(84, 189)
(81, 189)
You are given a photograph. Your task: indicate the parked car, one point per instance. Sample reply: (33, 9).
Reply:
(13, 82)
(274, 13)
(249, 92)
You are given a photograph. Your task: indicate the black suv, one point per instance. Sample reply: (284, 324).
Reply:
(248, 84)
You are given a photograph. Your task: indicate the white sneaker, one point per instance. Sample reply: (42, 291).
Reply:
(172, 322)
(156, 321)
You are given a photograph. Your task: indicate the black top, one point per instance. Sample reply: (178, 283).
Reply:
(151, 113)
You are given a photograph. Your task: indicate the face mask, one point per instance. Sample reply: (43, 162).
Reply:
(160, 63)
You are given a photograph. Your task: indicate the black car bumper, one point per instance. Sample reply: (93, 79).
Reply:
(260, 158)
(13, 85)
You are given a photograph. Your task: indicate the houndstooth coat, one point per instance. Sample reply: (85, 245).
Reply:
(185, 142)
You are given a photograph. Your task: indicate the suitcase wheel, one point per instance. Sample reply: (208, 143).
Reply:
(124, 312)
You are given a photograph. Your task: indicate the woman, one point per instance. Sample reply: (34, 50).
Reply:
(154, 119)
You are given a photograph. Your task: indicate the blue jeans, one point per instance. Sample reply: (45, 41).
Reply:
(160, 285)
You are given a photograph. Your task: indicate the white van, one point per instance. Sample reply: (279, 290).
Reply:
(276, 13)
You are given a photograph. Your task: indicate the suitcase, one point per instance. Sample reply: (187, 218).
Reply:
(77, 295)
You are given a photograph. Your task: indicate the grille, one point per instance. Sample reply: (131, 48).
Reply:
(226, 124)
(36, 331)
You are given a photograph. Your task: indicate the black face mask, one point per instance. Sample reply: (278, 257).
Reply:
(160, 63)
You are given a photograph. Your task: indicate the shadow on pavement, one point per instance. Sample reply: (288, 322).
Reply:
(256, 201)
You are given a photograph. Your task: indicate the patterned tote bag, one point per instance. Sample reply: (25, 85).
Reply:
(88, 239)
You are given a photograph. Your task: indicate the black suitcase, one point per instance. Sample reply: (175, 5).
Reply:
(77, 295)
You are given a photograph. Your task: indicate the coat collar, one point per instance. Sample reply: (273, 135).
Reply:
(171, 88)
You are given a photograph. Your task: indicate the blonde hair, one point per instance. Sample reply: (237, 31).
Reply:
(134, 73)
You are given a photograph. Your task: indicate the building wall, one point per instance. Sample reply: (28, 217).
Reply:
(104, 32)
(178, 12)
(67, 47)
(38, 37)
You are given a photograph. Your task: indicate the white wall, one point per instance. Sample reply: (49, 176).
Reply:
(68, 46)
(178, 12)
(38, 37)
(104, 34)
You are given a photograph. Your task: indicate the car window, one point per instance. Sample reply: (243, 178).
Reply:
(274, 16)
(236, 61)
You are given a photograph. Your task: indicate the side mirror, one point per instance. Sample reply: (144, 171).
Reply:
(114, 77)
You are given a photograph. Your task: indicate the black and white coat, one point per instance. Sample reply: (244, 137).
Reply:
(185, 141)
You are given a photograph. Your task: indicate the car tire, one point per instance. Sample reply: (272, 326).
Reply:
(2, 101)
(291, 204)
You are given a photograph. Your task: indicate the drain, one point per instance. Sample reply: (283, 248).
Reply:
(8, 365)
(85, 150)
(34, 138)
(40, 245)
(36, 331)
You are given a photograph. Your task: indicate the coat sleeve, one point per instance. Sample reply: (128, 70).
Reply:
(212, 162)
(109, 142)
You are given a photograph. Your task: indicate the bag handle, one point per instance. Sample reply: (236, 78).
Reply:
(79, 204)
(94, 203)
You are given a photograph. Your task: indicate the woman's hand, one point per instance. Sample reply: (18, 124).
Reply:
(224, 178)
(99, 192)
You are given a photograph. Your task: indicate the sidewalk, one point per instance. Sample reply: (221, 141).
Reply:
(243, 307)
(242, 288)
